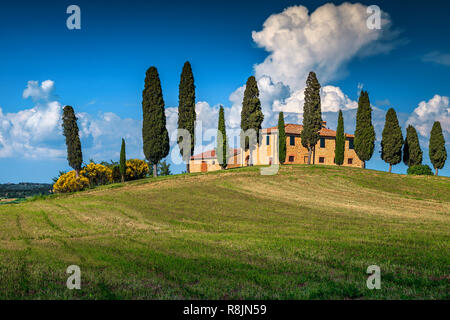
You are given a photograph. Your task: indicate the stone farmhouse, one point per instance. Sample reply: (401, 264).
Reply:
(266, 152)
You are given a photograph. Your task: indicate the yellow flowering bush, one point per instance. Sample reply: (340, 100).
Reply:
(136, 169)
(97, 174)
(69, 183)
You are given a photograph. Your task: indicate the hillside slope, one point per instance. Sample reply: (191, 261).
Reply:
(306, 233)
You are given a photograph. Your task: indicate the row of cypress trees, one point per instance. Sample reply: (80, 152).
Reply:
(154, 131)
(393, 147)
(392, 144)
(156, 138)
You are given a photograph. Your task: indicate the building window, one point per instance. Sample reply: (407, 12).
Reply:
(351, 145)
(291, 158)
(267, 140)
(321, 160)
(292, 140)
(322, 142)
(350, 161)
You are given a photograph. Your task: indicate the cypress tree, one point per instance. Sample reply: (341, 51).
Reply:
(392, 140)
(70, 131)
(222, 144)
(251, 114)
(412, 154)
(186, 108)
(312, 115)
(154, 131)
(340, 141)
(281, 138)
(365, 132)
(123, 161)
(436, 150)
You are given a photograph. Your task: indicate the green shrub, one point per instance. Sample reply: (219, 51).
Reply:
(420, 169)
(116, 173)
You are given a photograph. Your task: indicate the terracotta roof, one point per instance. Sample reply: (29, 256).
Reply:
(297, 128)
(211, 154)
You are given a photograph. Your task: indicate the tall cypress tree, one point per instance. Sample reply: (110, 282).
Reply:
(70, 131)
(392, 140)
(312, 115)
(412, 154)
(251, 114)
(365, 132)
(186, 109)
(154, 131)
(340, 141)
(436, 150)
(281, 139)
(123, 161)
(222, 144)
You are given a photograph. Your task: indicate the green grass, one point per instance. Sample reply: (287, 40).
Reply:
(306, 233)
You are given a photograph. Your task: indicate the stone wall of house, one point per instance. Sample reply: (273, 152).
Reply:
(234, 161)
(196, 165)
(326, 155)
(297, 154)
(213, 165)
(265, 154)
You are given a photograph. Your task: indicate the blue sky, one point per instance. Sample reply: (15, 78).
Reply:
(100, 69)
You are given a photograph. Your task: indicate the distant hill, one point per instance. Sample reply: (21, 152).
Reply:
(24, 189)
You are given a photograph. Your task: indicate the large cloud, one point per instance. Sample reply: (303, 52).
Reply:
(323, 41)
(299, 42)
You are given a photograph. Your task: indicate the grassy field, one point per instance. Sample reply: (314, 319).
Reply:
(306, 233)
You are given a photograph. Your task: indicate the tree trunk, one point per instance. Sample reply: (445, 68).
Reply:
(155, 170)
(309, 155)
(77, 173)
(123, 178)
(187, 167)
(314, 155)
(436, 169)
(363, 164)
(390, 168)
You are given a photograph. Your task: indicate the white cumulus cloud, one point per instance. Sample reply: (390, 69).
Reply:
(298, 42)
(32, 133)
(427, 112)
(323, 41)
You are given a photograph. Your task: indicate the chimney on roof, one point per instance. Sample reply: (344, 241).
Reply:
(324, 124)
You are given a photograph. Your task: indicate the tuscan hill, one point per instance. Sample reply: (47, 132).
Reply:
(309, 232)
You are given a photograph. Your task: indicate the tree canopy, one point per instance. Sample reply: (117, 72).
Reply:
(154, 131)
